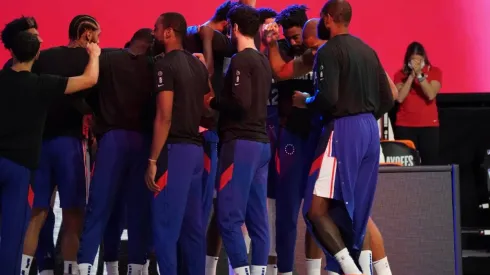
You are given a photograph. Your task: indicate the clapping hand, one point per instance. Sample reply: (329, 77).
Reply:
(270, 33)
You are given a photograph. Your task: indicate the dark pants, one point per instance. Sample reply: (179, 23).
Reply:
(426, 140)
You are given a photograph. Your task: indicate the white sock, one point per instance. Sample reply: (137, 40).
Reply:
(244, 270)
(211, 265)
(135, 269)
(85, 269)
(146, 268)
(258, 269)
(25, 266)
(313, 266)
(382, 267)
(70, 268)
(366, 262)
(112, 268)
(346, 262)
(47, 272)
(271, 269)
(247, 242)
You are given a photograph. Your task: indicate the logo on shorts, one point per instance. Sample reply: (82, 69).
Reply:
(160, 73)
(289, 149)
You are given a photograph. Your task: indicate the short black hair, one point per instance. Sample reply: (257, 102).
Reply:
(414, 48)
(222, 11)
(127, 44)
(266, 13)
(79, 24)
(15, 27)
(144, 34)
(339, 10)
(177, 22)
(246, 18)
(25, 46)
(292, 16)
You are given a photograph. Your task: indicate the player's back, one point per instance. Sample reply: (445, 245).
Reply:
(65, 115)
(359, 73)
(189, 78)
(124, 92)
(248, 81)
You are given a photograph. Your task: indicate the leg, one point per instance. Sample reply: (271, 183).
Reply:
(289, 195)
(272, 181)
(112, 235)
(407, 133)
(108, 173)
(14, 186)
(256, 215)
(138, 202)
(192, 238)
(429, 145)
(70, 176)
(209, 173)
(236, 173)
(213, 245)
(175, 169)
(45, 252)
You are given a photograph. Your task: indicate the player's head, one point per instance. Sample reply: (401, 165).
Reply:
(335, 18)
(310, 35)
(85, 29)
(22, 39)
(292, 19)
(219, 18)
(415, 53)
(141, 41)
(170, 28)
(244, 22)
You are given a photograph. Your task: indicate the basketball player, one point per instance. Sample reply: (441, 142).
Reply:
(175, 163)
(23, 111)
(297, 137)
(134, 57)
(344, 172)
(286, 70)
(63, 151)
(123, 113)
(245, 152)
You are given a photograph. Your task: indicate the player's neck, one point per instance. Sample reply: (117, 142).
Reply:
(22, 66)
(339, 31)
(76, 44)
(172, 47)
(244, 42)
(213, 25)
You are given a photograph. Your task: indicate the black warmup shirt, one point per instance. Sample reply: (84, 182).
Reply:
(65, 115)
(243, 103)
(295, 120)
(24, 101)
(221, 46)
(184, 75)
(350, 79)
(123, 97)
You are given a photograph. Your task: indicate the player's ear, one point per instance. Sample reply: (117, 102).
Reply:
(235, 27)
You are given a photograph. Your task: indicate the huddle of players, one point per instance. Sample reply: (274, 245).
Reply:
(173, 158)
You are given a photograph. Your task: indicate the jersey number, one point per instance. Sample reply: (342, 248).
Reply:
(273, 97)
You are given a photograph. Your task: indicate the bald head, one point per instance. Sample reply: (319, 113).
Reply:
(310, 34)
(339, 10)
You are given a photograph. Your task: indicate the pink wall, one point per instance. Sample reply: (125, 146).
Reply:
(455, 33)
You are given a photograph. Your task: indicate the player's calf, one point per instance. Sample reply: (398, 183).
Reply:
(72, 223)
(31, 239)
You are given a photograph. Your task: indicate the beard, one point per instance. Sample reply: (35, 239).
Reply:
(157, 48)
(322, 31)
(298, 50)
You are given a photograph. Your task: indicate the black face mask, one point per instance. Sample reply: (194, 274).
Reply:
(323, 31)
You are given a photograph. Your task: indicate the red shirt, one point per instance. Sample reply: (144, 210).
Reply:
(416, 110)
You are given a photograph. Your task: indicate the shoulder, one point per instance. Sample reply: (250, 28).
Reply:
(435, 70)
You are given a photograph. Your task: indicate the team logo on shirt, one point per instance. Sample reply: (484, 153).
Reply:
(237, 81)
(289, 149)
(321, 72)
(160, 79)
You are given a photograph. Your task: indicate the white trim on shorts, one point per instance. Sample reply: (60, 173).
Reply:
(325, 183)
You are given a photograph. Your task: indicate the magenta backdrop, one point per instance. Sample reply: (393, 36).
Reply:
(455, 33)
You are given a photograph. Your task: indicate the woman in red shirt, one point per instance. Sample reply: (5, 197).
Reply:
(417, 118)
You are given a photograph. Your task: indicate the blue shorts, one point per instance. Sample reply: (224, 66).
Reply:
(345, 169)
(209, 174)
(62, 164)
(273, 174)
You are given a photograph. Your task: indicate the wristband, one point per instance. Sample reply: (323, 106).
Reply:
(420, 78)
(152, 161)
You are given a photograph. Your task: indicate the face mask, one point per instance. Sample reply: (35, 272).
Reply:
(323, 31)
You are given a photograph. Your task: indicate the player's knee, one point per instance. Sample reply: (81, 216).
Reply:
(38, 217)
(366, 245)
(72, 220)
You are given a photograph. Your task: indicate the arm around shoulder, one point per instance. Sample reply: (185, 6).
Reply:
(91, 74)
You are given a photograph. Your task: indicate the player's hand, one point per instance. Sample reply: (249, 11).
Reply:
(200, 56)
(270, 33)
(93, 49)
(150, 175)
(206, 32)
(250, 3)
(299, 99)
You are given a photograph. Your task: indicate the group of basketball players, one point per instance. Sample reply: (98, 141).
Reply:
(183, 118)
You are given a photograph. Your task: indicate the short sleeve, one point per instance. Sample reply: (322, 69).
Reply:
(164, 76)
(52, 85)
(435, 74)
(398, 78)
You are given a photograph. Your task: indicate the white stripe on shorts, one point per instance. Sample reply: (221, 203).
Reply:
(325, 183)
